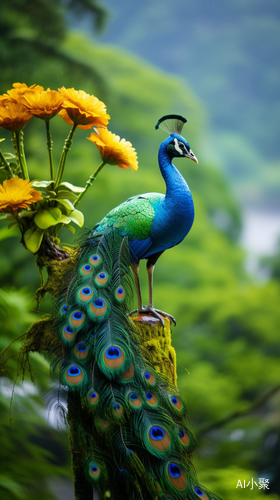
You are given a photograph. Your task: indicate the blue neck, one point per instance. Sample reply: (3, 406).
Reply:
(176, 185)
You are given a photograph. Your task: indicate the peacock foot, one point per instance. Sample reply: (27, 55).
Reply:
(157, 313)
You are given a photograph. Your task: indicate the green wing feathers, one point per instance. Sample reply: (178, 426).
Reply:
(133, 217)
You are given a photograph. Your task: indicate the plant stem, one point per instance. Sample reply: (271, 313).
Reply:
(6, 164)
(18, 145)
(65, 150)
(49, 146)
(89, 183)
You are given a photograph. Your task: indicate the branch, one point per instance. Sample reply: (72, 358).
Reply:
(239, 413)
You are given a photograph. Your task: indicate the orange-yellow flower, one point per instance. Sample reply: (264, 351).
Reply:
(13, 116)
(44, 104)
(114, 150)
(82, 109)
(15, 193)
(16, 94)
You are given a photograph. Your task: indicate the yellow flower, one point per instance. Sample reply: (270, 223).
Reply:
(44, 104)
(16, 94)
(82, 109)
(15, 193)
(114, 150)
(13, 116)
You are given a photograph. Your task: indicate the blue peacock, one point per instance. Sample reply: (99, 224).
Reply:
(135, 432)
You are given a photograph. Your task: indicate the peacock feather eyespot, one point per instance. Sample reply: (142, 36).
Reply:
(149, 378)
(157, 433)
(93, 397)
(81, 350)
(103, 425)
(74, 375)
(98, 307)
(120, 294)
(113, 357)
(64, 309)
(68, 329)
(69, 332)
(113, 353)
(176, 476)
(159, 438)
(85, 294)
(176, 402)
(134, 400)
(74, 371)
(174, 470)
(133, 396)
(200, 493)
(94, 471)
(86, 270)
(151, 399)
(95, 260)
(183, 436)
(117, 409)
(101, 279)
(77, 318)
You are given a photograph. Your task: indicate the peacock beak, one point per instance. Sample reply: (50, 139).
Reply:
(192, 156)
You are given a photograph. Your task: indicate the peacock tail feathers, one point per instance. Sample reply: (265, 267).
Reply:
(131, 423)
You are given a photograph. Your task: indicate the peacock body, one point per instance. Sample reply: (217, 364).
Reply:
(135, 432)
(154, 222)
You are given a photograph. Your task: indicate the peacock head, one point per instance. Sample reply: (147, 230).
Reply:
(176, 145)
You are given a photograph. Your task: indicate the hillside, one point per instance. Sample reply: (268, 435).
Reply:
(228, 52)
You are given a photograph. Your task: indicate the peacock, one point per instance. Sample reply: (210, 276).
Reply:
(153, 222)
(134, 432)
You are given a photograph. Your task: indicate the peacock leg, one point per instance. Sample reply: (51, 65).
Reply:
(135, 270)
(150, 308)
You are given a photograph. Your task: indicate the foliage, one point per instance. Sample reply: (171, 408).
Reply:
(22, 455)
(228, 52)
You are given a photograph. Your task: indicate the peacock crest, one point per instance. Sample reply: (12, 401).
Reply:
(172, 124)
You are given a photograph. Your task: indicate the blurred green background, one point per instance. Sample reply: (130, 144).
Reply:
(217, 63)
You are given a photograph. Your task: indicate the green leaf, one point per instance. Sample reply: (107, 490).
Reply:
(7, 217)
(71, 229)
(33, 238)
(64, 220)
(66, 203)
(47, 218)
(67, 185)
(11, 485)
(77, 217)
(66, 195)
(27, 213)
(12, 224)
(51, 193)
(9, 156)
(14, 165)
(43, 184)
